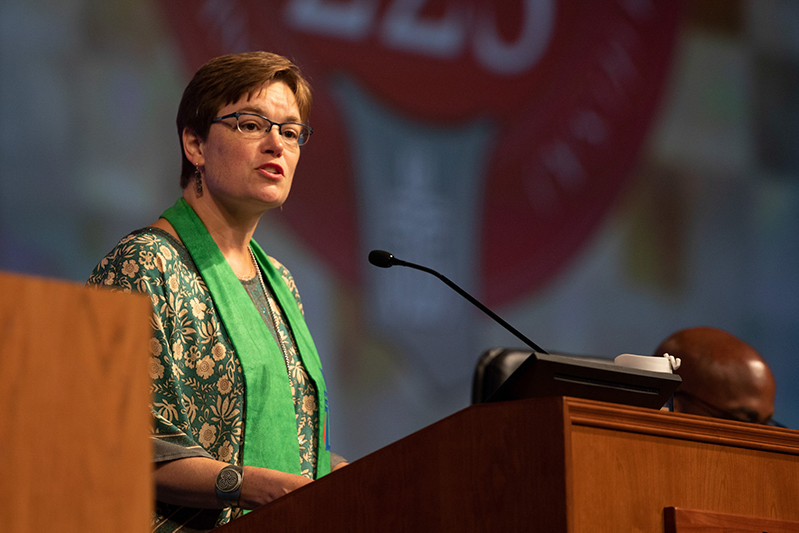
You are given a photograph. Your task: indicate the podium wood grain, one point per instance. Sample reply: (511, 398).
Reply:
(549, 465)
(691, 521)
(633, 463)
(74, 418)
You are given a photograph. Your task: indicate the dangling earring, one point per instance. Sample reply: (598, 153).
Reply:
(198, 182)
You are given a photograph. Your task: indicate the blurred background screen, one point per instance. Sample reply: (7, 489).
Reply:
(601, 173)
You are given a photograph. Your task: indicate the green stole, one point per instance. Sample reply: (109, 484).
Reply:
(270, 426)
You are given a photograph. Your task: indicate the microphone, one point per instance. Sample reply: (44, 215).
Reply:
(383, 259)
(543, 374)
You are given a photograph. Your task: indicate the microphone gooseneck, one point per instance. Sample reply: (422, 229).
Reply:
(383, 259)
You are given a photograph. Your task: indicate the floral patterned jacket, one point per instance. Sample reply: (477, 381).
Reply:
(197, 381)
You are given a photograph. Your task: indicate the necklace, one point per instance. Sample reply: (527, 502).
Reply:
(269, 307)
(249, 276)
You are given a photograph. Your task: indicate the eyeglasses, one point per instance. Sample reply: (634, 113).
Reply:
(718, 412)
(254, 126)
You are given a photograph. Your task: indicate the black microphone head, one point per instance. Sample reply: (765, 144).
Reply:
(381, 258)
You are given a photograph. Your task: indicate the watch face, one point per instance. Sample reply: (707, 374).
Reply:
(228, 480)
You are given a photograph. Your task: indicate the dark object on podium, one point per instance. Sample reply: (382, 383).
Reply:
(504, 374)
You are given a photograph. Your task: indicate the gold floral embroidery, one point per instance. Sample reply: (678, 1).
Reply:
(226, 451)
(197, 308)
(155, 347)
(205, 368)
(218, 351)
(166, 252)
(308, 405)
(194, 354)
(146, 259)
(224, 385)
(207, 435)
(156, 369)
(129, 268)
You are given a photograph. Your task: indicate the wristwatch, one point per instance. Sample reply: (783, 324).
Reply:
(228, 484)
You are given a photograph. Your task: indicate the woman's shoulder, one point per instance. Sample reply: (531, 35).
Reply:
(284, 272)
(278, 265)
(148, 238)
(144, 242)
(151, 238)
(146, 252)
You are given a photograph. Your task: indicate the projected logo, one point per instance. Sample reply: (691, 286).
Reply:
(487, 139)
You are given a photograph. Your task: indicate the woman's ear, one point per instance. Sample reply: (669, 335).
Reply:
(193, 147)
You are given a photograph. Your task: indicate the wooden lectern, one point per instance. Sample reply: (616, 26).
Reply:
(556, 465)
(74, 417)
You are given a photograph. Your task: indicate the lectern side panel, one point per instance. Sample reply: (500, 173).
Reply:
(626, 479)
(73, 408)
(490, 467)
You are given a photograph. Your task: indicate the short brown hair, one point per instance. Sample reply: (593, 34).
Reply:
(224, 80)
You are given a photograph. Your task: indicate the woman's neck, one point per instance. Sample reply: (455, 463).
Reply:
(231, 231)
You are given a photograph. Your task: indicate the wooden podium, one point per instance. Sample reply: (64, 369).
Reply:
(556, 465)
(74, 417)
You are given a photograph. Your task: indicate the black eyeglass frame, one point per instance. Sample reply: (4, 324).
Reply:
(301, 140)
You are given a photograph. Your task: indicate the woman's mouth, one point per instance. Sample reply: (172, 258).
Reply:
(273, 170)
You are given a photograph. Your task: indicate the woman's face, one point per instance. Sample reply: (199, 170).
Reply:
(251, 175)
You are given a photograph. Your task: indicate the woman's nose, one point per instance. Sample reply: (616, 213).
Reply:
(273, 140)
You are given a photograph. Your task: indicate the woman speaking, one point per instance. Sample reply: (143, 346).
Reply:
(238, 396)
